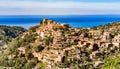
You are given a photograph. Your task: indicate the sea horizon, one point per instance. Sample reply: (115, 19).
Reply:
(75, 21)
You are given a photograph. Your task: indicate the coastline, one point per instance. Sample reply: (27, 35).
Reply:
(75, 21)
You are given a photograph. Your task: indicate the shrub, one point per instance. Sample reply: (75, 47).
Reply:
(33, 29)
(38, 48)
(41, 65)
(29, 65)
(29, 55)
(48, 40)
(112, 63)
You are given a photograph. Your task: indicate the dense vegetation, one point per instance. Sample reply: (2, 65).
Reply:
(12, 31)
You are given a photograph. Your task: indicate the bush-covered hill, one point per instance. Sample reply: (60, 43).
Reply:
(7, 33)
(13, 31)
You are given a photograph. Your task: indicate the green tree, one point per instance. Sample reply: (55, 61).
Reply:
(29, 65)
(39, 48)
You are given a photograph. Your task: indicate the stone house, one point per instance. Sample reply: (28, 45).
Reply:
(104, 44)
(116, 40)
(95, 32)
(105, 36)
(95, 54)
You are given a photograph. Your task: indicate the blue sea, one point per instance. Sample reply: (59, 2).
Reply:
(75, 21)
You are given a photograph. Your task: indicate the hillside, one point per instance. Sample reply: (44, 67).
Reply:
(7, 33)
(51, 45)
(112, 28)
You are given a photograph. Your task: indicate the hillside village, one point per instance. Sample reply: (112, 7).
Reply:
(51, 45)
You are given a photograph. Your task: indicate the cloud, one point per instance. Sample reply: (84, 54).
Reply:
(25, 7)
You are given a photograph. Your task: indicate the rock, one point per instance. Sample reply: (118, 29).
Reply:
(98, 63)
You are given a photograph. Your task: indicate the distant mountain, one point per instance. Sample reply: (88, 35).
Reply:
(13, 31)
(55, 46)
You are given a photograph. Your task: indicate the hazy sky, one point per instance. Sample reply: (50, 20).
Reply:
(59, 7)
